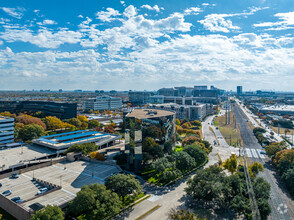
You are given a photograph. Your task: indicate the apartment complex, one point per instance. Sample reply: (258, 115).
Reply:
(190, 112)
(103, 103)
(6, 130)
(62, 110)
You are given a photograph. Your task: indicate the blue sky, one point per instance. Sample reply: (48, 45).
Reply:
(122, 45)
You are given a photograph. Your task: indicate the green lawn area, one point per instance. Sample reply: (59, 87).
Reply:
(5, 216)
(178, 148)
(130, 199)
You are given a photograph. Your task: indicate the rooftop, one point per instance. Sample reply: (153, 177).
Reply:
(70, 175)
(278, 107)
(149, 113)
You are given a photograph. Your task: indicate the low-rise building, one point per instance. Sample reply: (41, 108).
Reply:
(6, 130)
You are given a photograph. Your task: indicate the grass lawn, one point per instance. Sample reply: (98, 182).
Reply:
(178, 148)
(228, 131)
(5, 216)
(130, 199)
(282, 130)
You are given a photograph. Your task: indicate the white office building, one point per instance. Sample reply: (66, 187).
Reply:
(6, 130)
(103, 103)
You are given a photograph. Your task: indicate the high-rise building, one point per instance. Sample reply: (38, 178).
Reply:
(239, 90)
(6, 130)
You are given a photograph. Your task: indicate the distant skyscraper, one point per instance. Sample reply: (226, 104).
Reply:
(239, 90)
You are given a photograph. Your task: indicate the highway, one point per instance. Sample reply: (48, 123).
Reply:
(281, 203)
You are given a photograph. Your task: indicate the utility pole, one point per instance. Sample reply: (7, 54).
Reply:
(226, 113)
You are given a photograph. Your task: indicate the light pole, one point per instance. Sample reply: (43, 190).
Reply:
(60, 180)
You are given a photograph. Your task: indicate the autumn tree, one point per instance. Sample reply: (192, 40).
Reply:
(31, 131)
(27, 119)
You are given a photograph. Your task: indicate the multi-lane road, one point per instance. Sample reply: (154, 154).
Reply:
(281, 203)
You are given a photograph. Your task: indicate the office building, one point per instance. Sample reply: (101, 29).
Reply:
(103, 103)
(239, 90)
(139, 97)
(190, 112)
(6, 130)
(143, 119)
(62, 110)
(168, 92)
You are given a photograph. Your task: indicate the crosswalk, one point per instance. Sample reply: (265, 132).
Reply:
(255, 153)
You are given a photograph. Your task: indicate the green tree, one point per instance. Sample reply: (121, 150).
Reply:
(288, 178)
(168, 147)
(274, 147)
(184, 161)
(76, 122)
(31, 131)
(95, 202)
(231, 163)
(85, 148)
(196, 152)
(123, 185)
(254, 168)
(48, 213)
(93, 124)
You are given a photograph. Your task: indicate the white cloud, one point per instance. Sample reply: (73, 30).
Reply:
(154, 8)
(43, 38)
(107, 16)
(192, 10)
(130, 11)
(14, 12)
(217, 23)
(47, 22)
(287, 22)
(80, 16)
(220, 23)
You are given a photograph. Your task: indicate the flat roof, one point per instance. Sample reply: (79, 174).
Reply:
(278, 107)
(65, 140)
(17, 155)
(149, 113)
(76, 175)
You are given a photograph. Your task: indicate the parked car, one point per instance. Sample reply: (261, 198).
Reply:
(262, 152)
(41, 191)
(7, 193)
(0, 184)
(14, 199)
(15, 176)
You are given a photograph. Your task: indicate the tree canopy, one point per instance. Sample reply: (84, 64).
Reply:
(48, 213)
(30, 131)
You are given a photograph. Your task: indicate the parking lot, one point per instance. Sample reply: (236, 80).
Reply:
(18, 155)
(70, 175)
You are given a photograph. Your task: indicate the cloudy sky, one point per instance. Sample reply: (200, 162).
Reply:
(134, 44)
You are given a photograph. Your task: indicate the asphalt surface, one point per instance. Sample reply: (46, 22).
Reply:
(280, 201)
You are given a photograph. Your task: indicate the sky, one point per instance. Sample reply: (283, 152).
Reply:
(146, 45)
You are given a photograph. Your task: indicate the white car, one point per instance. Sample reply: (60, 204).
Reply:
(41, 191)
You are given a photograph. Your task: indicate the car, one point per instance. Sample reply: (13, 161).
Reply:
(43, 190)
(14, 199)
(15, 176)
(262, 152)
(0, 184)
(18, 201)
(6, 193)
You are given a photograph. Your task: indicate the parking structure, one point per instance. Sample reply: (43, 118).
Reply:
(71, 176)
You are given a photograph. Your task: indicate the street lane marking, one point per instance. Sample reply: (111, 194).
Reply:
(153, 198)
(254, 153)
(260, 154)
(248, 152)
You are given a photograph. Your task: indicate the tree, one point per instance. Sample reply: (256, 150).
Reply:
(27, 119)
(82, 118)
(254, 168)
(262, 194)
(7, 114)
(178, 122)
(153, 132)
(184, 161)
(189, 140)
(76, 122)
(181, 215)
(231, 163)
(109, 129)
(48, 213)
(31, 131)
(196, 152)
(123, 185)
(288, 178)
(54, 123)
(196, 123)
(168, 147)
(97, 155)
(186, 125)
(273, 148)
(93, 124)
(95, 202)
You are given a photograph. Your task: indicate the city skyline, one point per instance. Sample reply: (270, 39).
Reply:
(146, 45)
